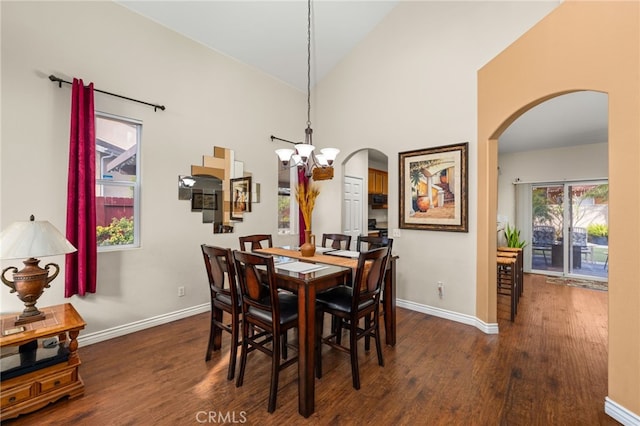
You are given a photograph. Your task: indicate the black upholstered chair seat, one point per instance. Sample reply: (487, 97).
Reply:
(226, 299)
(340, 299)
(288, 309)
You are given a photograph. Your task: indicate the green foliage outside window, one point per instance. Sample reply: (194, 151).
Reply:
(598, 230)
(119, 232)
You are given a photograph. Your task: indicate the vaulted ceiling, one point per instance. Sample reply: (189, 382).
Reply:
(272, 37)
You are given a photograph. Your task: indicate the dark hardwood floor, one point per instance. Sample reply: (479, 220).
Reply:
(549, 367)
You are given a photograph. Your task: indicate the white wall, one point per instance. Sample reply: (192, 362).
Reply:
(411, 84)
(548, 165)
(211, 100)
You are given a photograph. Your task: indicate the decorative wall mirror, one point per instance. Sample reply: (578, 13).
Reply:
(206, 196)
(208, 186)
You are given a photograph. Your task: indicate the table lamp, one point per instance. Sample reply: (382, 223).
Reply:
(31, 239)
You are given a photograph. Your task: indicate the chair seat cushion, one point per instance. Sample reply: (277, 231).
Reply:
(288, 309)
(223, 298)
(339, 299)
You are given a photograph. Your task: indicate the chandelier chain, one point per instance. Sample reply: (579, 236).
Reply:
(309, 63)
(316, 166)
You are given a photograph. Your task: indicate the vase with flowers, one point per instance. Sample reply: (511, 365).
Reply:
(306, 196)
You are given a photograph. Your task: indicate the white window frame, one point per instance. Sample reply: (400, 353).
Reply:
(136, 185)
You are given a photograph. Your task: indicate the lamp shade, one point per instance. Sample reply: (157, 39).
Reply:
(304, 150)
(296, 160)
(320, 158)
(330, 154)
(284, 154)
(32, 239)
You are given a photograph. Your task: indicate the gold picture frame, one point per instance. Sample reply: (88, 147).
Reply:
(433, 188)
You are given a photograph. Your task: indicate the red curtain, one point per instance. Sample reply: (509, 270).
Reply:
(81, 266)
(302, 180)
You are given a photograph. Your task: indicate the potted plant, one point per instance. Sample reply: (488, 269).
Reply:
(598, 233)
(513, 237)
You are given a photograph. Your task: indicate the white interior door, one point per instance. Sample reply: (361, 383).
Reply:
(352, 208)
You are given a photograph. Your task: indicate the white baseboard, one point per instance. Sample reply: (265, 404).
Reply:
(488, 328)
(621, 414)
(100, 336)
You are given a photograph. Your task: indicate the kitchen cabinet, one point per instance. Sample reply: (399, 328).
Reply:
(378, 182)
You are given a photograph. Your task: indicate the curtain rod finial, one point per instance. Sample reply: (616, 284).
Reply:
(54, 78)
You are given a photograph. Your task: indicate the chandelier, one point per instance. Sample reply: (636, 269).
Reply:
(319, 166)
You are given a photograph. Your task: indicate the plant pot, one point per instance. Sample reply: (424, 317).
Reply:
(601, 241)
(423, 203)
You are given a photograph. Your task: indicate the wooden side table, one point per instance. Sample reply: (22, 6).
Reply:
(33, 390)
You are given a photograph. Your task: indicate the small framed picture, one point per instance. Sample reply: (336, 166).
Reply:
(209, 201)
(240, 197)
(197, 198)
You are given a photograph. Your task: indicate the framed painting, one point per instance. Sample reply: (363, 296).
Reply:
(240, 197)
(210, 201)
(197, 198)
(433, 188)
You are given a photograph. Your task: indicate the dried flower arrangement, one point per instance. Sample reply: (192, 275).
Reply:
(306, 197)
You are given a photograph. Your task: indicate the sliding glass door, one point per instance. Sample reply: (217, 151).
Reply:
(569, 229)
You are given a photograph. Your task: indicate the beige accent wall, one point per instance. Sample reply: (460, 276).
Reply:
(579, 46)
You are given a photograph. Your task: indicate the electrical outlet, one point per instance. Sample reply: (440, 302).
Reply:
(180, 291)
(441, 289)
(396, 233)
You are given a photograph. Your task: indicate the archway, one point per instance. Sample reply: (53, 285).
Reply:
(552, 161)
(576, 47)
(356, 167)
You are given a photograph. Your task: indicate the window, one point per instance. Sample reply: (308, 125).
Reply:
(286, 203)
(117, 182)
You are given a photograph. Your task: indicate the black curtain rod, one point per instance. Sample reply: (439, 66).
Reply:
(155, 106)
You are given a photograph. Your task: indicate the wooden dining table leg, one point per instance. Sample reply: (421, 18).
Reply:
(390, 305)
(306, 354)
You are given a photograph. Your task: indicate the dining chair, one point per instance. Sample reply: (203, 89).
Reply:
(349, 305)
(365, 242)
(225, 229)
(257, 241)
(223, 288)
(267, 314)
(336, 241)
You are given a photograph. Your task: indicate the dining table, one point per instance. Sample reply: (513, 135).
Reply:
(306, 276)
